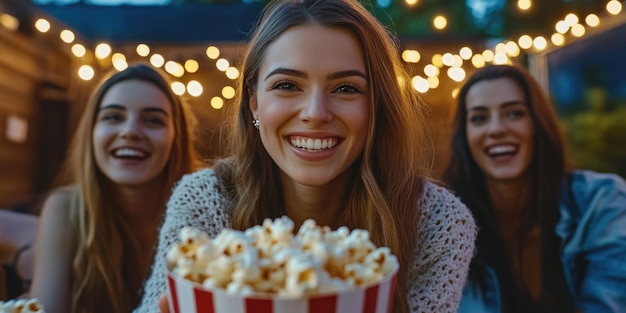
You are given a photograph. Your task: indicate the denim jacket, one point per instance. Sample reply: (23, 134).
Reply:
(592, 228)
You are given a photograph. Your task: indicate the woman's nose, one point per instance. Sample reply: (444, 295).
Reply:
(496, 127)
(131, 130)
(316, 108)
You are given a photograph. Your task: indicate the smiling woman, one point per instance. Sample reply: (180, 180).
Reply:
(324, 130)
(551, 238)
(97, 234)
(332, 91)
(141, 115)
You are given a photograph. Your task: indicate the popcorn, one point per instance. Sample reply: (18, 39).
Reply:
(270, 259)
(21, 306)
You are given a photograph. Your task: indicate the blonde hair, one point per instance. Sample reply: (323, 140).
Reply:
(388, 177)
(106, 277)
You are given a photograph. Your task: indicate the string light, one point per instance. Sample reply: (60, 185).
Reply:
(143, 50)
(228, 92)
(9, 21)
(614, 7)
(222, 64)
(411, 56)
(592, 20)
(42, 25)
(433, 82)
(157, 60)
(217, 103)
(103, 50)
(456, 73)
(437, 60)
(540, 43)
(503, 52)
(86, 72)
(466, 53)
(232, 73)
(67, 36)
(488, 55)
(524, 5)
(212, 52)
(578, 30)
(571, 19)
(420, 84)
(79, 50)
(512, 49)
(500, 58)
(178, 88)
(447, 59)
(431, 70)
(194, 88)
(571, 25)
(478, 61)
(119, 61)
(191, 66)
(557, 39)
(440, 22)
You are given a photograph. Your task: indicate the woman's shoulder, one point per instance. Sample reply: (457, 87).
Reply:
(440, 208)
(61, 200)
(200, 176)
(437, 199)
(202, 179)
(589, 181)
(65, 191)
(593, 192)
(58, 213)
(201, 193)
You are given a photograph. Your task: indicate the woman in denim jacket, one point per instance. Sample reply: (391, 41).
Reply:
(550, 239)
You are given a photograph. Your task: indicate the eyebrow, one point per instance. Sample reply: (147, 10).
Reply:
(336, 75)
(347, 74)
(503, 105)
(121, 107)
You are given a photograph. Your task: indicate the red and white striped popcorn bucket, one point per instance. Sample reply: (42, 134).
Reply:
(189, 297)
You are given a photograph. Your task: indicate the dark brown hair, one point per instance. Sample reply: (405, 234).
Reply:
(547, 170)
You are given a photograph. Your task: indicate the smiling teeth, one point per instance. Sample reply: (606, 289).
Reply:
(129, 152)
(501, 149)
(313, 144)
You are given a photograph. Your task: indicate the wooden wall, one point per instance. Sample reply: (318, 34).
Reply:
(36, 113)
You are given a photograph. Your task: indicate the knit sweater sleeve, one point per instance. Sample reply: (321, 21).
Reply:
(196, 201)
(445, 247)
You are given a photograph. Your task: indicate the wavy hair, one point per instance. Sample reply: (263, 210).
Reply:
(388, 176)
(106, 275)
(547, 170)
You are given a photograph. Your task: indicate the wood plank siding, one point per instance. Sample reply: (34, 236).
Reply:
(35, 76)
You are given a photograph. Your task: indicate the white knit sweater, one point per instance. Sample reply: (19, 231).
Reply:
(444, 247)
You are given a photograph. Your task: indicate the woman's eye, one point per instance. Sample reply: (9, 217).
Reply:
(285, 85)
(516, 113)
(111, 117)
(477, 119)
(155, 120)
(347, 88)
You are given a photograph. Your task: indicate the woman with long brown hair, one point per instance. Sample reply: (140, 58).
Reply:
(327, 128)
(551, 238)
(97, 234)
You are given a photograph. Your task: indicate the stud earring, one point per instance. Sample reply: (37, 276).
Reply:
(256, 123)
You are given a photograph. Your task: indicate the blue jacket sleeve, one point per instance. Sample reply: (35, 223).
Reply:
(595, 254)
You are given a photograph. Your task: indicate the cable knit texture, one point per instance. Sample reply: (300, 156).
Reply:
(443, 251)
